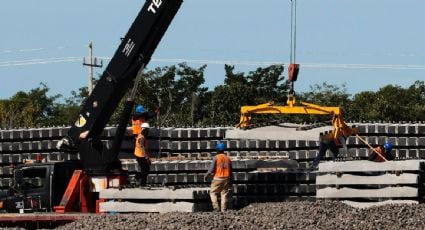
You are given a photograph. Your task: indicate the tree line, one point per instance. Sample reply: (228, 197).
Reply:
(183, 100)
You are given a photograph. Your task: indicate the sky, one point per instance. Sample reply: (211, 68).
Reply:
(363, 44)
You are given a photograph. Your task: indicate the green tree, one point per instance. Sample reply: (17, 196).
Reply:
(256, 87)
(268, 84)
(177, 90)
(157, 90)
(34, 108)
(362, 106)
(188, 93)
(326, 95)
(416, 101)
(66, 113)
(390, 103)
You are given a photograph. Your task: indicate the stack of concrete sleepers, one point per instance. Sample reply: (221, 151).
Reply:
(366, 183)
(177, 172)
(154, 200)
(408, 140)
(260, 186)
(179, 142)
(19, 145)
(254, 180)
(180, 145)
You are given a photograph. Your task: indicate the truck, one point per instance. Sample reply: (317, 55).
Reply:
(74, 185)
(38, 186)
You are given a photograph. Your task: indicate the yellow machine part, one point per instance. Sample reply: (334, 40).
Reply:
(339, 126)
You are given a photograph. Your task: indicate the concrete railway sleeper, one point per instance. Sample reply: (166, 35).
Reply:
(296, 148)
(239, 177)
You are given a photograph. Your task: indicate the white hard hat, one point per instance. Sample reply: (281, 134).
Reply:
(145, 125)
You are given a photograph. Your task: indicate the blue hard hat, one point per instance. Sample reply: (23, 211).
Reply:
(220, 147)
(388, 146)
(140, 109)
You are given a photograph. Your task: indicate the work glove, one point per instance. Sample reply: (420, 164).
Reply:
(59, 145)
(63, 142)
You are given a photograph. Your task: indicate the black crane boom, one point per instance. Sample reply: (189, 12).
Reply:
(134, 53)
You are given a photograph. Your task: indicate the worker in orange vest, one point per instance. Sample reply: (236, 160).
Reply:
(221, 170)
(142, 155)
(384, 150)
(329, 142)
(141, 116)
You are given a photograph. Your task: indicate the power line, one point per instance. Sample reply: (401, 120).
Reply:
(223, 62)
(327, 53)
(38, 61)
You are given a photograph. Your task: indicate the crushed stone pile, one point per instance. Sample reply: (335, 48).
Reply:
(284, 215)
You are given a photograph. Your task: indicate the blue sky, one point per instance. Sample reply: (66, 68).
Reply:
(364, 44)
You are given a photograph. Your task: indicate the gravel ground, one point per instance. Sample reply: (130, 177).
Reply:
(288, 215)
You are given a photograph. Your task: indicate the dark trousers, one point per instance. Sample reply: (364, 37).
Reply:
(325, 145)
(142, 176)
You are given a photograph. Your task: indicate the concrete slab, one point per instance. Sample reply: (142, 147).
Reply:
(156, 193)
(380, 203)
(286, 131)
(385, 179)
(164, 207)
(390, 192)
(369, 166)
(278, 163)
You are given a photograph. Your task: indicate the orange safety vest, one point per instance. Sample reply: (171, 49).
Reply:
(222, 166)
(135, 124)
(138, 150)
(379, 158)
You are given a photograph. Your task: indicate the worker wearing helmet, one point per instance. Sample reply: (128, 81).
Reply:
(141, 154)
(141, 116)
(384, 150)
(221, 170)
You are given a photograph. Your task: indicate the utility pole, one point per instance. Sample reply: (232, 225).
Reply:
(91, 63)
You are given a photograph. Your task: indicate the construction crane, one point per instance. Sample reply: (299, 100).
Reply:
(74, 186)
